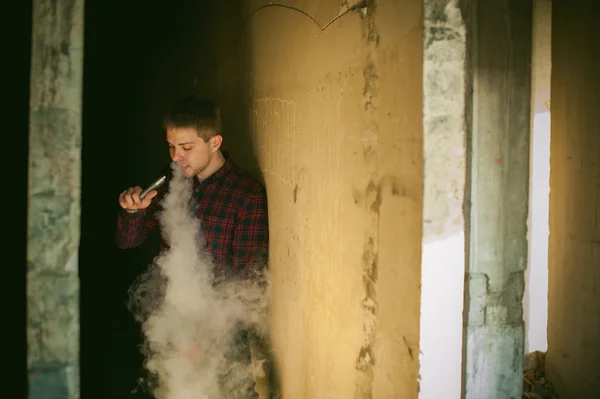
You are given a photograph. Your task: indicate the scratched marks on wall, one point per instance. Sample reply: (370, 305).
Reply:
(273, 128)
(370, 199)
(366, 360)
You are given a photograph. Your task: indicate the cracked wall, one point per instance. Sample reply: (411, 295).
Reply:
(335, 124)
(573, 357)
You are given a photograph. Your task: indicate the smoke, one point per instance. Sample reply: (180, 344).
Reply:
(194, 328)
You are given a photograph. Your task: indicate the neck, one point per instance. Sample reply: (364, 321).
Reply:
(215, 163)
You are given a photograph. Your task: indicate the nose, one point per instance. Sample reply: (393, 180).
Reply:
(176, 155)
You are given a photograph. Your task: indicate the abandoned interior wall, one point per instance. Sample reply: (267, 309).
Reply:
(344, 180)
(573, 358)
(335, 128)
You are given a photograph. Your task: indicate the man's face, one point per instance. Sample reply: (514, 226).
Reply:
(189, 150)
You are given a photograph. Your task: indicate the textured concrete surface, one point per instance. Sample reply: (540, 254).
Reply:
(500, 61)
(54, 199)
(335, 122)
(443, 265)
(573, 358)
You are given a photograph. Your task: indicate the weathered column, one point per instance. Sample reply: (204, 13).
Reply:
(499, 37)
(476, 149)
(54, 199)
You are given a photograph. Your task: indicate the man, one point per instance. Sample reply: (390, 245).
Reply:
(231, 206)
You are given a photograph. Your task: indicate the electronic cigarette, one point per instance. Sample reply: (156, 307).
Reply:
(159, 182)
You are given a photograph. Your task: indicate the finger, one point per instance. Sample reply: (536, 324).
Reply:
(122, 199)
(149, 196)
(135, 195)
(128, 200)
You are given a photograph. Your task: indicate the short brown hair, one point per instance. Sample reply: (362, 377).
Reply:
(195, 112)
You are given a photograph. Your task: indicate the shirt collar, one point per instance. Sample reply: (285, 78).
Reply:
(221, 172)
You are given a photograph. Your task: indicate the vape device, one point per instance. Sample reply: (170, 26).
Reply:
(157, 183)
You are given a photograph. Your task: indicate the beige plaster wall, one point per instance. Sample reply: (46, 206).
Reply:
(334, 120)
(573, 358)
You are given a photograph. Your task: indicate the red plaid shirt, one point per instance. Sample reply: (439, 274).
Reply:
(232, 208)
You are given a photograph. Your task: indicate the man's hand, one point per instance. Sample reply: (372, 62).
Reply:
(130, 199)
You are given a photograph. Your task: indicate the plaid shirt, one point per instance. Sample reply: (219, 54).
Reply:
(233, 212)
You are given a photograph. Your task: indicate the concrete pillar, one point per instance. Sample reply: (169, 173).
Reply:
(336, 123)
(499, 37)
(476, 150)
(443, 253)
(54, 199)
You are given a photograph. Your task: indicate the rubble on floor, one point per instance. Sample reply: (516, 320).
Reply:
(535, 385)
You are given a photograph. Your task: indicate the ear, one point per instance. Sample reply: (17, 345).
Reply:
(215, 143)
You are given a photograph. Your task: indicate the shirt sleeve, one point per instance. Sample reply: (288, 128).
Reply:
(133, 228)
(251, 235)
(131, 231)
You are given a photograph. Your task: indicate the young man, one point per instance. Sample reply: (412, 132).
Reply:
(231, 206)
